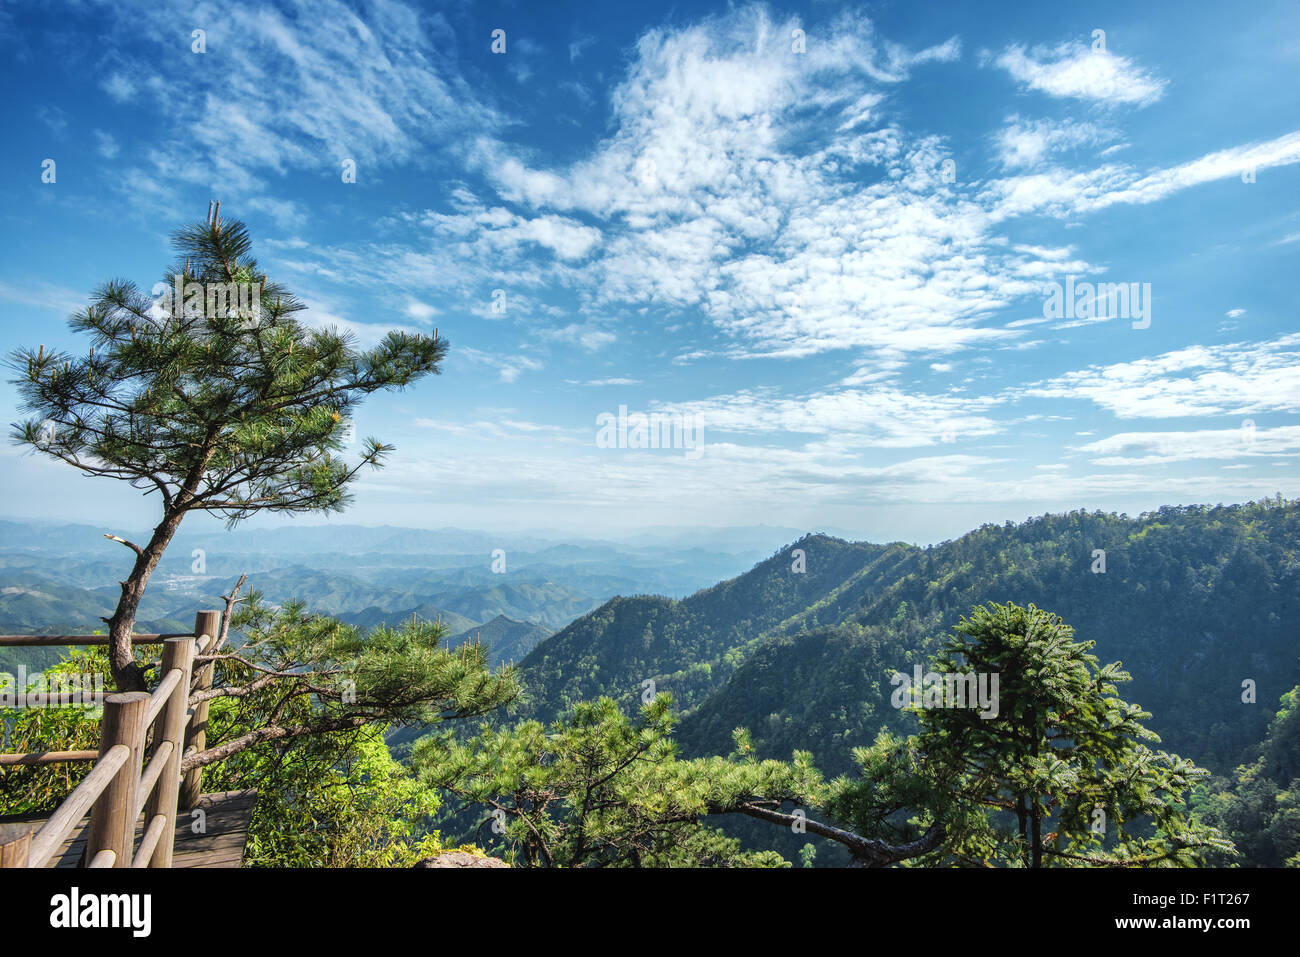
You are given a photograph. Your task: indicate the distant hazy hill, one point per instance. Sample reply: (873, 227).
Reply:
(346, 570)
(375, 615)
(547, 602)
(506, 638)
(40, 605)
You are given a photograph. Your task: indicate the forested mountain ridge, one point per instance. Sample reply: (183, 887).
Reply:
(688, 646)
(1194, 600)
(506, 638)
(1260, 804)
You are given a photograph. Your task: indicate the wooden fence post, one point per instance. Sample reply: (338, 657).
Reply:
(113, 816)
(170, 726)
(15, 842)
(205, 623)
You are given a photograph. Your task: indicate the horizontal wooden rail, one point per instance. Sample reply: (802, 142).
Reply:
(55, 831)
(17, 641)
(46, 757)
(156, 704)
(122, 784)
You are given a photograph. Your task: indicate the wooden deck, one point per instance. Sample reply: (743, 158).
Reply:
(228, 814)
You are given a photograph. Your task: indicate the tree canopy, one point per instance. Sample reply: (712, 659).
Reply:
(211, 394)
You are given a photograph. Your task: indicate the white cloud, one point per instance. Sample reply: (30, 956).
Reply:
(708, 201)
(421, 312)
(297, 93)
(1061, 192)
(508, 367)
(1075, 70)
(1232, 379)
(588, 336)
(43, 295)
(1029, 142)
(1163, 448)
(322, 315)
(119, 87)
(577, 46)
(882, 417)
(106, 144)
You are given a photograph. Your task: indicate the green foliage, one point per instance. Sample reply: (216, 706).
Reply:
(1062, 750)
(298, 712)
(599, 789)
(1259, 806)
(611, 651)
(296, 666)
(217, 410)
(333, 803)
(1205, 598)
(39, 789)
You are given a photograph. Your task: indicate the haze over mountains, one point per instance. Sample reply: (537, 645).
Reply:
(1193, 600)
(57, 578)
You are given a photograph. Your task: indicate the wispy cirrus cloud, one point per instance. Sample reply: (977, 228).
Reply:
(1023, 142)
(1076, 70)
(302, 87)
(1165, 448)
(1233, 379)
(882, 417)
(1057, 191)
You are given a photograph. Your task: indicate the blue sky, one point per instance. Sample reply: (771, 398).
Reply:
(823, 235)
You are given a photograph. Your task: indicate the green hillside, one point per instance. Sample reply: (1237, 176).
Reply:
(1193, 600)
(689, 646)
(506, 639)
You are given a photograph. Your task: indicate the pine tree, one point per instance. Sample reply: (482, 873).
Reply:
(600, 789)
(215, 397)
(1062, 751)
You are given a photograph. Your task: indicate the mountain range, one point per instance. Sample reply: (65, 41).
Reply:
(1197, 602)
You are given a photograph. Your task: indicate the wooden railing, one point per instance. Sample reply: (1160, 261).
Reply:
(122, 785)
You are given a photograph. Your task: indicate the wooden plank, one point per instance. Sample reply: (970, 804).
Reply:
(229, 814)
(15, 843)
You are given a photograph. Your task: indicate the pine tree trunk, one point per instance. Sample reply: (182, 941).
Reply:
(127, 675)
(1036, 816)
(1023, 817)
